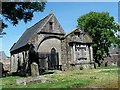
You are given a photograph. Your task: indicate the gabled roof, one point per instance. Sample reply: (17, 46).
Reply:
(3, 55)
(86, 37)
(28, 34)
(31, 32)
(71, 32)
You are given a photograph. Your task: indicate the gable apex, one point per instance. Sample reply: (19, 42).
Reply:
(28, 34)
(35, 29)
(52, 25)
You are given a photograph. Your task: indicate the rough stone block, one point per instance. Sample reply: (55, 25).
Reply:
(31, 80)
(34, 69)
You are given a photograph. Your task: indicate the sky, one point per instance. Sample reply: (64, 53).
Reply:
(67, 14)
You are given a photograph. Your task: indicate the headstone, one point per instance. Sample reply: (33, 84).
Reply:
(34, 69)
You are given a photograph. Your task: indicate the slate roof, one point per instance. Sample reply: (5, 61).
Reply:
(29, 33)
(3, 55)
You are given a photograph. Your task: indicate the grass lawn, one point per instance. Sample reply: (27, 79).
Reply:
(95, 78)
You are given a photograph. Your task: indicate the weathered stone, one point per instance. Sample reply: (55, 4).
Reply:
(34, 69)
(31, 80)
(48, 45)
(14, 63)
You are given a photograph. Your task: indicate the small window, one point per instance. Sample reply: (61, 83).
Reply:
(51, 25)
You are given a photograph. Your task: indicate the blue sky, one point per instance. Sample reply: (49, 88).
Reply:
(67, 14)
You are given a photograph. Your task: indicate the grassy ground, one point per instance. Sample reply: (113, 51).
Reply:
(95, 78)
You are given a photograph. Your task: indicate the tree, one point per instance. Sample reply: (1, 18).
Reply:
(16, 11)
(102, 28)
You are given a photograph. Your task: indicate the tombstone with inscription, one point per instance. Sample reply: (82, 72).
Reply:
(34, 69)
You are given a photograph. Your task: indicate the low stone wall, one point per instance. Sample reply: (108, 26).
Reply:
(78, 66)
(6, 64)
(85, 66)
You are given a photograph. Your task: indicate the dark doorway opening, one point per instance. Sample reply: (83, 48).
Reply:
(53, 60)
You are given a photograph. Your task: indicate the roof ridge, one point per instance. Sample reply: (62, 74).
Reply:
(38, 21)
(31, 30)
(39, 28)
(49, 17)
(71, 31)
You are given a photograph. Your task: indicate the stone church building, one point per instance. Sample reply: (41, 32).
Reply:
(47, 44)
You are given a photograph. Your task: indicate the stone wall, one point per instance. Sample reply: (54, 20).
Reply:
(64, 54)
(48, 44)
(6, 63)
(70, 57)
(47, 37)
(113, 60)
(14, 62)
(56, 27)
(20, 58)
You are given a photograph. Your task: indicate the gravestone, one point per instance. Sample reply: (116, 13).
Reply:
(34, 69)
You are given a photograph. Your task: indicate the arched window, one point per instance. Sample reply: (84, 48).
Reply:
(53, 51)
(53, 57)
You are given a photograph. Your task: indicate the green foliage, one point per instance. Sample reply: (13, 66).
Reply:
(102, 28)
(16, 11)
(108, 67)
(81, 67)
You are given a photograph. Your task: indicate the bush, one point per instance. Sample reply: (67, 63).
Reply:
(81, 67)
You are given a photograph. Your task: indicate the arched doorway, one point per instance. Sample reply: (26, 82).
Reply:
(53, 60)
